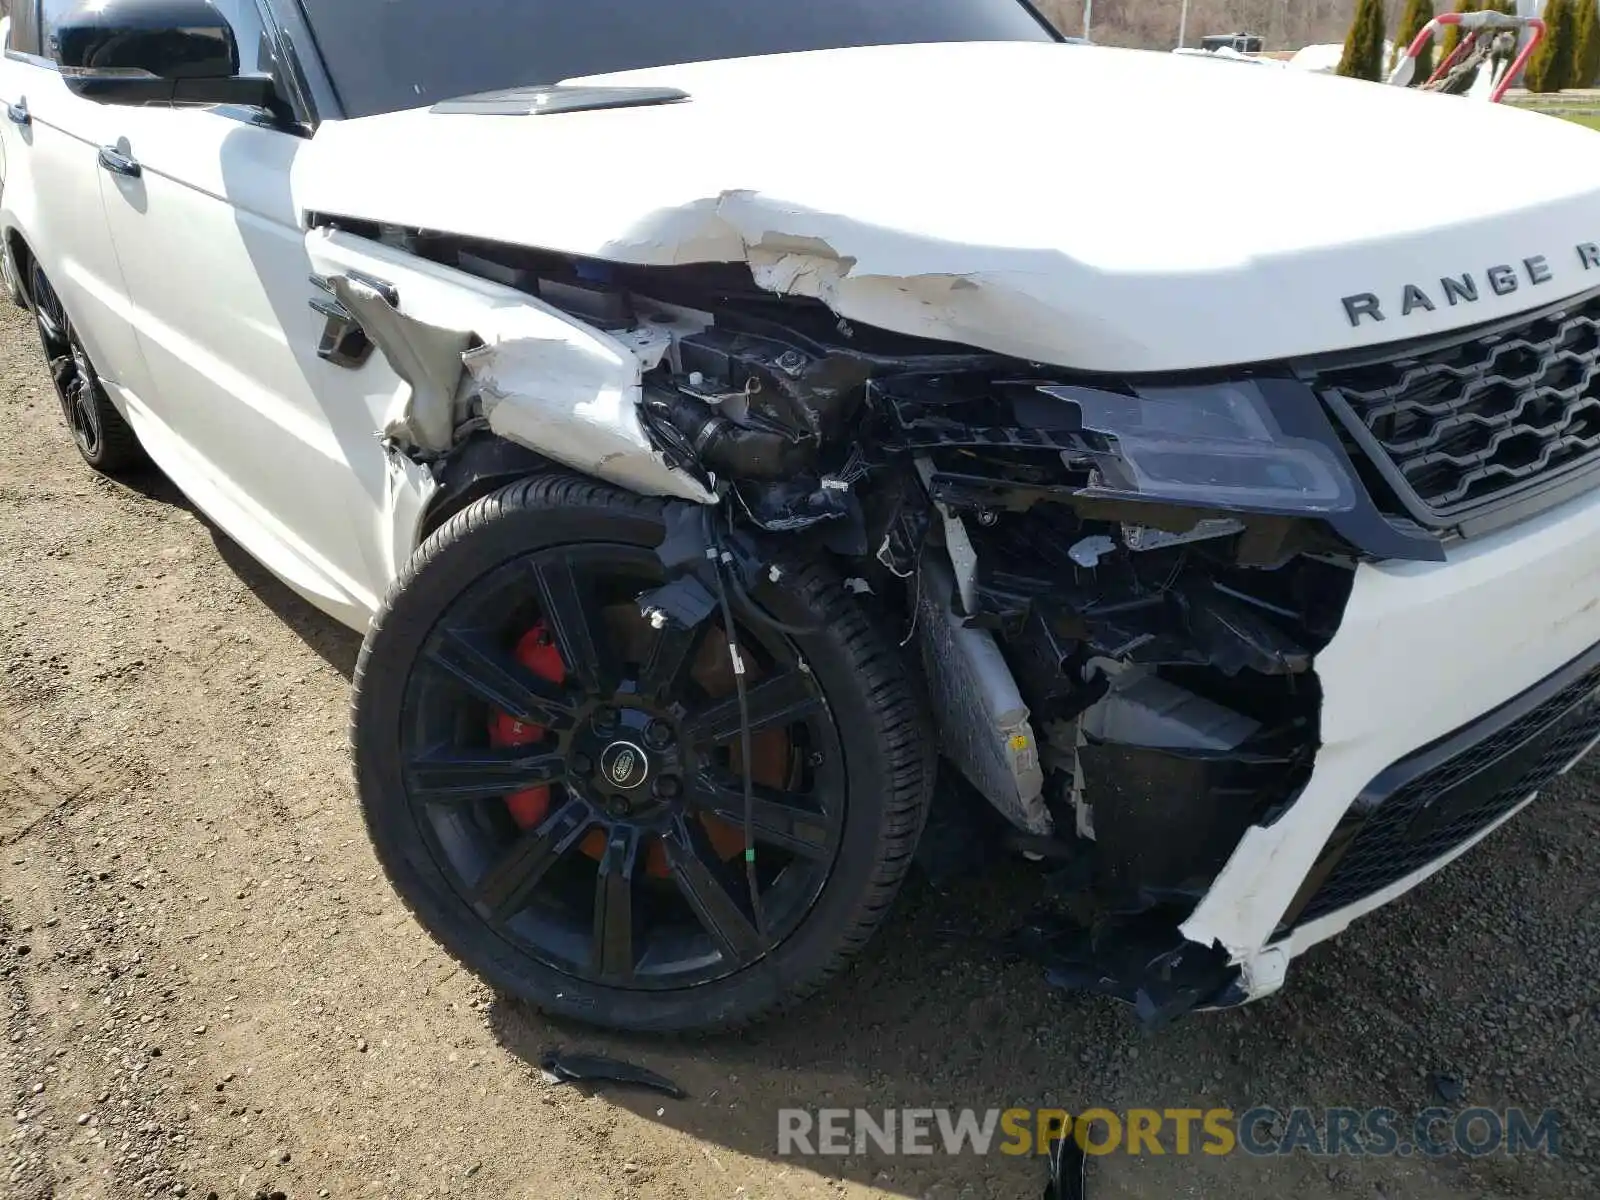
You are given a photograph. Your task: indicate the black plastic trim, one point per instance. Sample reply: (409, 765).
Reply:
(1539, 496)
(305, 57)
(344, 342)
(1392, 778)
(290, 75)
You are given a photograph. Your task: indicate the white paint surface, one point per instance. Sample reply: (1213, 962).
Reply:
(1071, 204)
(1424, 649)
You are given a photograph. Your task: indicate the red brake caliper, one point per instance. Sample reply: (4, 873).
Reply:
(538, 653)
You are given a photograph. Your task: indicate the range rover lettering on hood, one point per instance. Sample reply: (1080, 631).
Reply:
(1502, 280)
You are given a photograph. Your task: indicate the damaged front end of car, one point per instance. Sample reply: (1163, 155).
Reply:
(1116, 588)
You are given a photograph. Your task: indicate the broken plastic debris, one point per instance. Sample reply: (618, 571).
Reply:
(1143, 537)
(1447, 1087)
(684, 602)
(562, 1067)
(1139, 959)
(427, 357)
(1235, 636)
(1088, 552)
(1068, 1167)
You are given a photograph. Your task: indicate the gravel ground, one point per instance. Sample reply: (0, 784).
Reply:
(211, 989)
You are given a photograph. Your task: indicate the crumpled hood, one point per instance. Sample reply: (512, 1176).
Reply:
(1101, 209)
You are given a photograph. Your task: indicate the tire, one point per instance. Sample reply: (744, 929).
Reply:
(104, 439)
(857, 758)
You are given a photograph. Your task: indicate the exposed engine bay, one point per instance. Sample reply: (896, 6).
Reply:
(1115, 588)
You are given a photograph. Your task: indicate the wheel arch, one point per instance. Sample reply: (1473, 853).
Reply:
(476, 468)
(19, 255)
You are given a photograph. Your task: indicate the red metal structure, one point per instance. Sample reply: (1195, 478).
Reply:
(1460, 67)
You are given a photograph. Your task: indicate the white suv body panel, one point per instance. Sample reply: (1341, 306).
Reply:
(897, 184)
(1424, 649)
(218, 277)
(848, 176)
(53, 194)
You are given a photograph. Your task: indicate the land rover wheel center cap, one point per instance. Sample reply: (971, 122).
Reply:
(624, 765)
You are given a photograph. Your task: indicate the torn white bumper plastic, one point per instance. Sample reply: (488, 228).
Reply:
(1424, 649)
(545, 379)
(576, 399)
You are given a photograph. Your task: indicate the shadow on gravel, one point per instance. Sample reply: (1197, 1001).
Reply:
(933, 1015)
(334, 643)
(149, 482)
(1484, 975)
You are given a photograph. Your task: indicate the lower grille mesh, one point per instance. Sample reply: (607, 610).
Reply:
(1435, 812)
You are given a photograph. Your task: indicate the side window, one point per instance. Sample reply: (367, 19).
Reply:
(51, 12)
(24, 26)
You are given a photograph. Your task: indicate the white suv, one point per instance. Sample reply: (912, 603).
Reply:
(719, 413)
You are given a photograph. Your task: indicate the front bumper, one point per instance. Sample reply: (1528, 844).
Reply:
(1444, 797)
(1445, 656)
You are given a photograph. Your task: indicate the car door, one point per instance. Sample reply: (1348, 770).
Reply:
(277, 444)
(52, 196)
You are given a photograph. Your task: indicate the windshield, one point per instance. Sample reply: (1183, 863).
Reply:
(386, 55)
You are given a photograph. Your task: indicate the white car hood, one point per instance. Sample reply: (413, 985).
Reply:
(1101, 209)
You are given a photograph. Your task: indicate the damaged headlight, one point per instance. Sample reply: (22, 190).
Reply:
(1217, 446)
(1255, 445)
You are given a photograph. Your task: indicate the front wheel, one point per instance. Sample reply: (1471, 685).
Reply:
(556, 789)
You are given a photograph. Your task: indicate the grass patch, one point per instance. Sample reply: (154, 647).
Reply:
(1587, 120)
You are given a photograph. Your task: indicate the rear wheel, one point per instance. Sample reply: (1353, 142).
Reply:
(106, 441)
(556, 789)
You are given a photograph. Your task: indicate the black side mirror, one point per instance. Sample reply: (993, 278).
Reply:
(154, 52)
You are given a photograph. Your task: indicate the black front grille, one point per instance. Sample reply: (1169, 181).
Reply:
(1464, 426)
(1422, 808)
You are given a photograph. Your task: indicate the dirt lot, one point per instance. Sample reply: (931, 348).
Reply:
(212, 990)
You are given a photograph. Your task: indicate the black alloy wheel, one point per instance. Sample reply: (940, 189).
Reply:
(638, 763)
(104, 439)
(556, 787)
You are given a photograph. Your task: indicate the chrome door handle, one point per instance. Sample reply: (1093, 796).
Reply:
(118, 163)
(19, 114)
